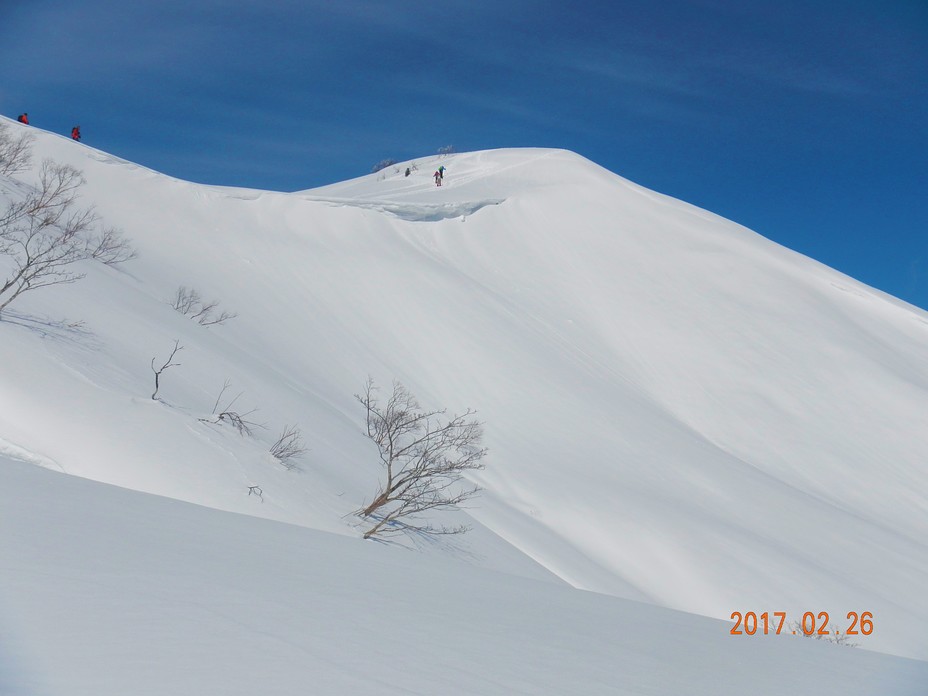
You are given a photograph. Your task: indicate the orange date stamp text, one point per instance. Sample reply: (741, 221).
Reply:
(813, 624)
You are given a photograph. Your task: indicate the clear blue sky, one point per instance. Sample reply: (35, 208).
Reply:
(806, 121)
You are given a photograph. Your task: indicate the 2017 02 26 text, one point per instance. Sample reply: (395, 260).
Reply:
(812, 624)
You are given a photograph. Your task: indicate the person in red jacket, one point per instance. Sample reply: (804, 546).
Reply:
(76, 133)
(23, 118)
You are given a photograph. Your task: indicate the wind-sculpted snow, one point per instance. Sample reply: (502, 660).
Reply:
(677, 410)
(422, 212)
(13, 451)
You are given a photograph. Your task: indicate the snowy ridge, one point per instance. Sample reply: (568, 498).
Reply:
(677, 410)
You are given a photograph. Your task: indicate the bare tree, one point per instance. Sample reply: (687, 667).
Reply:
(46, 233)
(188, 302)
(289, 447)
(225, 414)
(167, 364)
(424, 458)
(15, 150)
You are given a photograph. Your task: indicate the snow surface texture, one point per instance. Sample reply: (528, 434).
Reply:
(128, 593)
(678, 410)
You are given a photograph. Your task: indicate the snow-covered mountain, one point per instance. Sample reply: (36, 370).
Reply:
(678, 410)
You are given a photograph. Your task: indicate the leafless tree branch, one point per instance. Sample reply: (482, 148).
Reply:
(45, 233)
(167, 364)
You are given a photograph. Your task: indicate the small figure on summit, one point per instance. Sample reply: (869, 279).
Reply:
(23, 118)
(438, 178)
(441, 171)
(76, 133)
(407, 171)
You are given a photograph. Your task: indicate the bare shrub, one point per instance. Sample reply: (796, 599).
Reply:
(238, 421)
(226, 414)
(110, 248)
(289, 447)
(46, 233)
(188, 302)
(424, 458)
(185, 300)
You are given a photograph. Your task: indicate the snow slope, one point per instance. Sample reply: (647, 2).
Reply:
(678, 410)
(134, 594)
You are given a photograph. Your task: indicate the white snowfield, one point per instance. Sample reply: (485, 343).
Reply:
(108, 591)
(678, 412)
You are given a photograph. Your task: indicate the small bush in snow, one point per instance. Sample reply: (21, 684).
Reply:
(289, 447)
(226, 414)
(424, 458)
(188, 302)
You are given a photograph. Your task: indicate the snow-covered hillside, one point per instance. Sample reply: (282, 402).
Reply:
(126, 593)
(678, 410)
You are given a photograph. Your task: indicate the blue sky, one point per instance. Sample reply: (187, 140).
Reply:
(805, 121)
